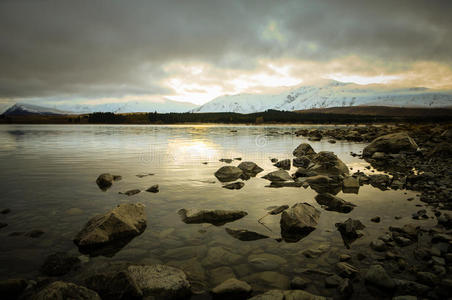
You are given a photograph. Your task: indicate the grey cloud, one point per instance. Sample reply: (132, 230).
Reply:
(50, 48)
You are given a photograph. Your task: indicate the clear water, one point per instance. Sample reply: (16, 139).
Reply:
(48, 170)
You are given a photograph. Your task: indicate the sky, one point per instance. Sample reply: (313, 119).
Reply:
(92, 52)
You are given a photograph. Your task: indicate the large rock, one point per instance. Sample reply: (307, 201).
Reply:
(104, 181)
(334, 203)
(245, 235)
(232, 289)
(287, 295)
(60, 290)
(250, 168)
(302, 161)
(298, 221)
(160, 281)
(377, 276)
(215, 217)
(391, 143)
(118, 226)
(228, 173)
(327, 163)
(279, 175)
(114, 285)
(303, 149)
(350, 184)
(324, 184)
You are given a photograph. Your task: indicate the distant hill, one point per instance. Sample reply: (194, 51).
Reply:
(330, 94)
(21, 109)
(382, 111)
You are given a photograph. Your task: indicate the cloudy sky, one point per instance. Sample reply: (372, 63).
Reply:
(110, 51)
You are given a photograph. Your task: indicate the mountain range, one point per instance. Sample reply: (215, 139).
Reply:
(321, 95)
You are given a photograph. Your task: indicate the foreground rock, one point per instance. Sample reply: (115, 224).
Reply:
(215, 217)
(228, 173)
(232, 289)
(249, 168)
(114, 228)
(350, 231)
(350, 184)
(160, 281)
(298, 221)
(114, 285)
(334, 203)
(327, 163)
(64, 290)
(279, 175)
(303, 149)
(391, 143)
(377, 276)
(245, 235)
(105, 180)
(287, 295)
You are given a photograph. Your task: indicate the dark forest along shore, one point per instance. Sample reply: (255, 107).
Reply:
(226, 212)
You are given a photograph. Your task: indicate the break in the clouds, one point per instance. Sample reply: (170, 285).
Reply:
(196, 50)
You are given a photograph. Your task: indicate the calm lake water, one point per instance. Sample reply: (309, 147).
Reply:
(48, 175)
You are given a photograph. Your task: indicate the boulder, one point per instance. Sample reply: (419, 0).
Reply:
(279, 175)
(228, 173)
(350, 184)
(250, 168)
(303, 149)
(298, 221)
(232, 289)
(324, 184)
(283, 164)
(245, 235)
(302, 161)
(215, 217)
(377, 276)
(160, 281)
(114, 285)
(334, 203)
(266, 262)
(391, 143)
(105, 180)
(327, 163)
(63, 290)
(118, 226)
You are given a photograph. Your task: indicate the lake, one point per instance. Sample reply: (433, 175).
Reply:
(48, 181)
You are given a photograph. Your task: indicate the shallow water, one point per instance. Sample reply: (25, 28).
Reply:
(48, 170)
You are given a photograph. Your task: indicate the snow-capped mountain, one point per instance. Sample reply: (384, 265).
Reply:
(330, 94)
(28, 109)
(165, 106)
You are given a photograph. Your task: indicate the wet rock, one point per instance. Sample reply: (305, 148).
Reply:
(228, 173)
(105, 180)
(11, 289)
(298, 221)
(234, 186)
(331, 202)
(283, 164)
(302, 161)
(160, 281)
(268, 280)
(410, 287)
(266, 262)
(215, 217)
(114, 285)
(375, 219)
(303, 149)
(346, 270)
(299, 283)
(350, 230)
(287, 295)
(333, 281)
(315, 252)
(153, 189)
(279, 209)
(377, 276)
(421, 214)
(302, 172)
(324, 184)
(226, 160)
(327, 163)
(64, 290)
(232, 289)
(280, 184)
(245, 235)
(273, 160)
(114, 228)
(220, 256)
(131, 192)
(220, 274)
(34, 233)
(279, 175)
(250, 168)
(378, 245)
(380, 181)
(350, 184)
(59, 264)
(391, 143)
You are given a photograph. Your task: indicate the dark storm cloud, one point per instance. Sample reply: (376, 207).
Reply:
(100, 48)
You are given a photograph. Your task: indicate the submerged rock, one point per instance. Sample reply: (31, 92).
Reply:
(228, 173)
(114, 228)
(287, 295)
(303, 149)
(215, 217)
(160, 281)
(298, 221)
(377, 276)
(232, 289)
(250, 168)
(59, 264)
(105, 180)
(234, 186)
(114, 285)
(245, 235)
(279, 175)
(131, 192)
(391, 143)
(64, 290)
(334, 203)
(153, 189)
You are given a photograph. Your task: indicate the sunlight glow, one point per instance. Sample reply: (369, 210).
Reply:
(363, 79)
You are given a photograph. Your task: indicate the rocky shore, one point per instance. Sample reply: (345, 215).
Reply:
(412, 260)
